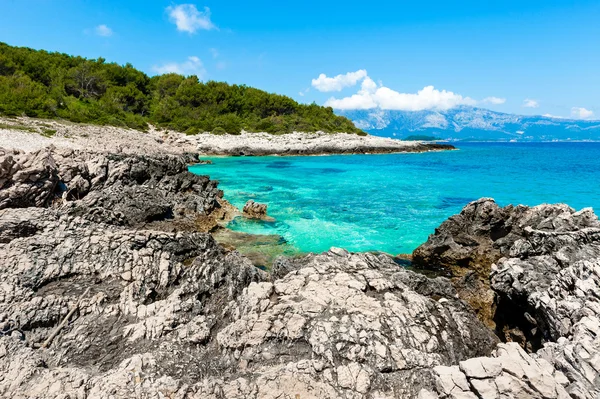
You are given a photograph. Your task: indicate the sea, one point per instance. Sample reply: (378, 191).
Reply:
(392, 202)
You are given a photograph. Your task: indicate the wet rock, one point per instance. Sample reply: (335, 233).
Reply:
(254, 210)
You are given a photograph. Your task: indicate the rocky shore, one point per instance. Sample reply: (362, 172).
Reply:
(29, 134)
(309, 144)
(112, 287)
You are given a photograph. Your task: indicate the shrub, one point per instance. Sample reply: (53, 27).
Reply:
(43, 84)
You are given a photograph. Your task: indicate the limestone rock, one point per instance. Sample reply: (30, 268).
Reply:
(544, 272)
(254, 210)
(174, 314)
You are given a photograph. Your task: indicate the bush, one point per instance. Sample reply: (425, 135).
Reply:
(219, 131)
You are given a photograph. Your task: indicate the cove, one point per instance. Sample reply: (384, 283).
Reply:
(392, 202)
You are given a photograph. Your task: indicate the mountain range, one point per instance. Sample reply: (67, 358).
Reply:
(471, 123)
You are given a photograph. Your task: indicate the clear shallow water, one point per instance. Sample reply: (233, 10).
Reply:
(391, 203)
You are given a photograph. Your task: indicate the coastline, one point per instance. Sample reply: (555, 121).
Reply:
(111, 283)
(108, 283)
(31, 134)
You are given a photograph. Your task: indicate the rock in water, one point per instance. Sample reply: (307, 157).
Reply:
(254, 210)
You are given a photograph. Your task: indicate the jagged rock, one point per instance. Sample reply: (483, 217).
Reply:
(27, 179)
(510, 373)
(159, 310)
(254, 210)
(131, 190)
(466, 245)
(545, 280)
(176, 314)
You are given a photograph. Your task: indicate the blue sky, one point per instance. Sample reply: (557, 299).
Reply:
(526, 57)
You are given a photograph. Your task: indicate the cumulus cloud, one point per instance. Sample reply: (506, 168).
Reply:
(529, 103)
(581, 113)
(372, 95)
(376, 95)
(192, 66)
(494, 100)
(337, 83)
(187, 18)
(103, 30)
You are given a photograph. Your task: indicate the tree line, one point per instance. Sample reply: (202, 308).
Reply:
(43, 84)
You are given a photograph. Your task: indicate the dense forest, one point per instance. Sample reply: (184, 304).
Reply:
(53, 85)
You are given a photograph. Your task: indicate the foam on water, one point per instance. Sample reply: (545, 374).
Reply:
(391, 203)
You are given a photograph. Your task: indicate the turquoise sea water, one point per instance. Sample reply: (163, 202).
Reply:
(391, 203)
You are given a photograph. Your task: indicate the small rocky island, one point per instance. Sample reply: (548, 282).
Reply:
(111, 286)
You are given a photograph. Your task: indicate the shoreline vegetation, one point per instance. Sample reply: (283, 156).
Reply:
(30, 134)
(43, 84)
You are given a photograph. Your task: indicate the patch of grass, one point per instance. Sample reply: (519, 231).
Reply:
(18, 127)
(48, 132)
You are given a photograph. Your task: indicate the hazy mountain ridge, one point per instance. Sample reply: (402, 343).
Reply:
(469, 123)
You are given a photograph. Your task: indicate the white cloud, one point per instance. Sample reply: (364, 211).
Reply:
(529, 103)
(372, 96)
(553, 116)
(337, 83)
(193, 66)
(494, 100)
(303, 92)
(581, 113)
(103, 30)
(376, 95)
(189, 19)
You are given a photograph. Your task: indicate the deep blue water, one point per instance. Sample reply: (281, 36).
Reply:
(391, 203)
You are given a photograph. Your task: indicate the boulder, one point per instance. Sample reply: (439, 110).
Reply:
(544, 275)
(254, 210)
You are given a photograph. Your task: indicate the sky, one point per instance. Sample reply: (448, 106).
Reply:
(532, 57)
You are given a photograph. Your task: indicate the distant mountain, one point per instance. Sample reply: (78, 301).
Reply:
(469, 123)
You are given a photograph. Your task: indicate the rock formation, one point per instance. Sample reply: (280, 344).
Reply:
(544, 278)
(110, 289)
(254, 210)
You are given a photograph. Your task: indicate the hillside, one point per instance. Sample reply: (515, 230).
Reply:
(469, 123)
(38, 83)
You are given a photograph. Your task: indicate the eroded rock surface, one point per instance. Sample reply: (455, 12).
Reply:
(544, 276)
(254, 210)
(158, 309)
(132, 190)
(175, 314)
